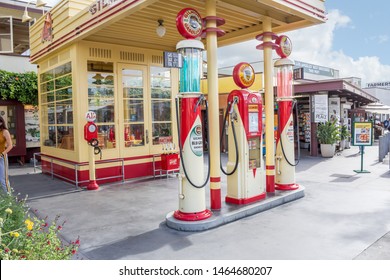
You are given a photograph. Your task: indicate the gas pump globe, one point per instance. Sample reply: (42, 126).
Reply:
(191, 71)
(245, 168)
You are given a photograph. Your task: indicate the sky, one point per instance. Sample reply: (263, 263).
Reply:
(355, 40)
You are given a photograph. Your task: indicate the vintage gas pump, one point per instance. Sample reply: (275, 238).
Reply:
(285, 158)
(91, 136)
(192, 196)
(247, 183)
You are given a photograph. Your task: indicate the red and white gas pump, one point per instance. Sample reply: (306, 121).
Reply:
(192, 195)
(285, 156)
(245, 168)
(91, 136)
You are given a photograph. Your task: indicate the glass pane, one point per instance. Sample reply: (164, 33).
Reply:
(48, 86)
(106, 136)
(132, 78)
(11, 123)
(65, 81)
(65, 137)
(62, 94)
(50, 114)
(96, 104)
(63, 69)
(104, 113)
(100, 66)
(64, 112)
(162, 133)
(100, 92)
(47, 97)
(161, 110)
(133, 110)
(48, 135)
(100, 79)
(161, 93)
(134, 135)
(5, 25)
(133, 92)
(47, 76)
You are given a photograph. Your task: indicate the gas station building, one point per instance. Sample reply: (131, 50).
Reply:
(105, 56)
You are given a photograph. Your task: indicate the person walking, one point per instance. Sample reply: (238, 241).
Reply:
(5, 147)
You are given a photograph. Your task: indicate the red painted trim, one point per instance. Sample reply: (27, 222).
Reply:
(219, 32)
(192, 216)
(215, 179)
(215, 199)
(270, 167)
(260, 37)
(267, 44)
(270, 183)
(219, 21)
(78, 29)
(306, 9)
(241, 201)
(286, 187)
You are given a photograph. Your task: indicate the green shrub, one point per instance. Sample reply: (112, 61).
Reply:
(30, 238)
(328, 132)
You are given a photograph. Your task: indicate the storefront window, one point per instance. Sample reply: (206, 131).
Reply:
(133, 107)
(57, 107)
(161, 105)
(101, 100)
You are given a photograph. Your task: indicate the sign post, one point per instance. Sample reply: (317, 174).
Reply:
(362, 136)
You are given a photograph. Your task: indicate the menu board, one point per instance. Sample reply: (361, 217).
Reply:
(362, 134)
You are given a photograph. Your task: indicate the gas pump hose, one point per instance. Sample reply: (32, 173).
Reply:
(281, 142)
(235, 141)
(181, 148)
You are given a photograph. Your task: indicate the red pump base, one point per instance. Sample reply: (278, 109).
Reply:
(287, 187)
(92, 185)
(192, 216)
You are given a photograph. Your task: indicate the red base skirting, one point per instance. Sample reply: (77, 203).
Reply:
(244, 200)
(286, 187)
(215, 199)
(270, 183)
(192, 216)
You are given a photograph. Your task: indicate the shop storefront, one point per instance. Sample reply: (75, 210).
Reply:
(106, 57)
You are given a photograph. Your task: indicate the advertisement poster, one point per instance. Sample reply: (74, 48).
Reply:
(320, 106)
(32, 126)
(334, 109)
(362, 134)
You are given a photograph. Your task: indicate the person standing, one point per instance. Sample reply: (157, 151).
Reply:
(5, 147)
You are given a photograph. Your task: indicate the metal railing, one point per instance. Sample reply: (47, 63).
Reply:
(76, 168)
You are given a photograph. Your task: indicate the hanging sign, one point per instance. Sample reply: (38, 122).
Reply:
(320, 106)
(284, 48)
(173, 60)
(362, 134)
(243, 75)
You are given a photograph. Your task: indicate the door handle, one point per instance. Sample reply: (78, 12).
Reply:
(147, 137)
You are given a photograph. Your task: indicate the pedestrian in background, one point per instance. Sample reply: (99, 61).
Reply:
(5, 147)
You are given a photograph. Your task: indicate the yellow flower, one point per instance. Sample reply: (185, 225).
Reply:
(29, 224)
(15, 251)
(8, 211)
(14, 234)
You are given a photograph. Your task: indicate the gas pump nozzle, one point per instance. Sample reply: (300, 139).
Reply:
(201, 98)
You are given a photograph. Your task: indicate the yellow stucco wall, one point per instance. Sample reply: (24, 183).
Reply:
(226, 84)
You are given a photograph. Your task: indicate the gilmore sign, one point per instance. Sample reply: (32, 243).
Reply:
(100, 5)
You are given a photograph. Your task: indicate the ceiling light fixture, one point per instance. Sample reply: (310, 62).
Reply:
(26, 17)
(160, 30)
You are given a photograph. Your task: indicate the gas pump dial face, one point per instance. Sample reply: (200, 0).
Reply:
(92, 128)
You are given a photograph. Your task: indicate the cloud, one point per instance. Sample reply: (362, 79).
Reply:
(315, 45)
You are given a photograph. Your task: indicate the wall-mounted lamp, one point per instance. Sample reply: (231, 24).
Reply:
(160, 30)
(26, 17)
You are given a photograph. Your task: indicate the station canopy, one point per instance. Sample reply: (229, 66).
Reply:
(134, 23)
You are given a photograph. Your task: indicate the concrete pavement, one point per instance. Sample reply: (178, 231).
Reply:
(344, 215)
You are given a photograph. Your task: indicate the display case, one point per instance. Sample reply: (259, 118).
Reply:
(304, 125)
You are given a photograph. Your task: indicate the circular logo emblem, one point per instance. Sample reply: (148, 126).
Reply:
(189, 23)
(243, 75)
(90, 116)
(284, 46)
(196, 140)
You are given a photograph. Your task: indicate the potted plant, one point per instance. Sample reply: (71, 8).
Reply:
(344, 136)
(328, 134)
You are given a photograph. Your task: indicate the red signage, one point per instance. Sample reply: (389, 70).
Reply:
(243, 75)
(284, 48)
(189, 23)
